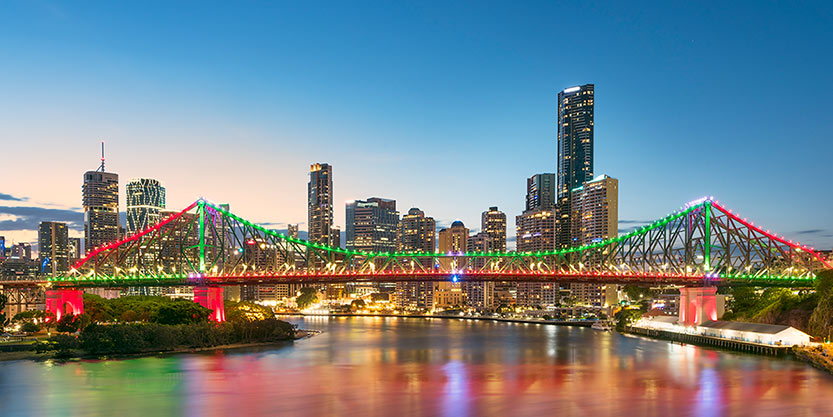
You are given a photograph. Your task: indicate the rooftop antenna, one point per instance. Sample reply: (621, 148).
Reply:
(101, 168)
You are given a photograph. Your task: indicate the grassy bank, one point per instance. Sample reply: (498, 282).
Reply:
(819, 356)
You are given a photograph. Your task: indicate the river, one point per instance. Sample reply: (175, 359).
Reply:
(368, 366)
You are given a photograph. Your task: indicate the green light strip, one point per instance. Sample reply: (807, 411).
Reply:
(640, 231)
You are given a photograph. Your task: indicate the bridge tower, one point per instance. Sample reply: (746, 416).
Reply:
(212, 299)
(69, 301)
(697, 305)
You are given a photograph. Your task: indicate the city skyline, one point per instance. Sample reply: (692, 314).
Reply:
(634, 122)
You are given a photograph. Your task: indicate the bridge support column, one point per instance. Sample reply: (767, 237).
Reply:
(212, 299)
(61, 302)
(697, 305)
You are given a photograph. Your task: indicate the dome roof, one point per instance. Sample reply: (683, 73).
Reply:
(457, 223)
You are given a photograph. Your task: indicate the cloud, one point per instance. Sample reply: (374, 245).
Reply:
(28, 218)
(810, 232)
(9, 197)
(634, 221)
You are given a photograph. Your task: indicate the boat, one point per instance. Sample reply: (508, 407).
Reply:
(602, 325)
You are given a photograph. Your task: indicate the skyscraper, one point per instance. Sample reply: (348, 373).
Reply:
(454, 238)
(493, 224)
(595, 217)
(53, 247)
(372, 225)
(145, 197)
(540, 191)
(536, 230)
(100, 198)
(575, 150)
(417, 233)
(320, 203)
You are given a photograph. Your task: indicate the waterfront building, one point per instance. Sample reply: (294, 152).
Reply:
(540, 191)
(416, 234)
(320, 203)
(453, 239)
(100, 199)
(536, 231)
(145, 198)
(575, 150)
(493, 224)
(594, 218)
(53, 247)
(372, 225)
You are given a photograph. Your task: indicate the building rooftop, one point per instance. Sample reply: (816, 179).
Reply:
(746, 327)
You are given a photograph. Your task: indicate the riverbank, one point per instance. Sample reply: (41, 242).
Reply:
(135, 340)
(578, 323)
(819, 356)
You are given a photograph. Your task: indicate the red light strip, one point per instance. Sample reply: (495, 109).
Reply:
(805, 248)
(133, 237)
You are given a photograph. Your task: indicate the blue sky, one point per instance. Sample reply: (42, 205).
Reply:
(444, 106)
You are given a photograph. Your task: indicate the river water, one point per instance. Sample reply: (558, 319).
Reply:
(367, 366)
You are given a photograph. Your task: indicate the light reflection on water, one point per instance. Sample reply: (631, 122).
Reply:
(403, 367)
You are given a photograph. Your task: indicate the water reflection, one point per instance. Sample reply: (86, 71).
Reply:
(390, 366)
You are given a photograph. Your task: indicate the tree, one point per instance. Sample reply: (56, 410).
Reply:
(307, 298)
(181, 312)
(70, 323)
(357, 305)
(245, 311)
(3, 300)
(30, 327)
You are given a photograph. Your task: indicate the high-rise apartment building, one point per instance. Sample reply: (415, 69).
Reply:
(595, 211)
(454, 239)
(53, 247)
(594, 218)
(536, 230)
(145, 197)
(575, 150)
(417, 233)
(320, 203)
(540, 191)
(372, 225)
(493, 224)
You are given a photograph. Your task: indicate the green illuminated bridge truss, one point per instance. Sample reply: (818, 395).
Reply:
(703, 243)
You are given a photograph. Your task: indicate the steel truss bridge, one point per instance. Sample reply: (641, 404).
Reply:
(703, 243)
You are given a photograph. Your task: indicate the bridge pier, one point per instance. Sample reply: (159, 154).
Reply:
(697, 305)
(212, 299)
(60, 302)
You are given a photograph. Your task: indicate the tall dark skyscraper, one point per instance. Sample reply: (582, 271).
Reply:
(53, 247)
(540, 191)
(100, 199)
(320, 203)
(575, 150)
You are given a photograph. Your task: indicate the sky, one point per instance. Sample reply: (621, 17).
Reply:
(445, 106)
